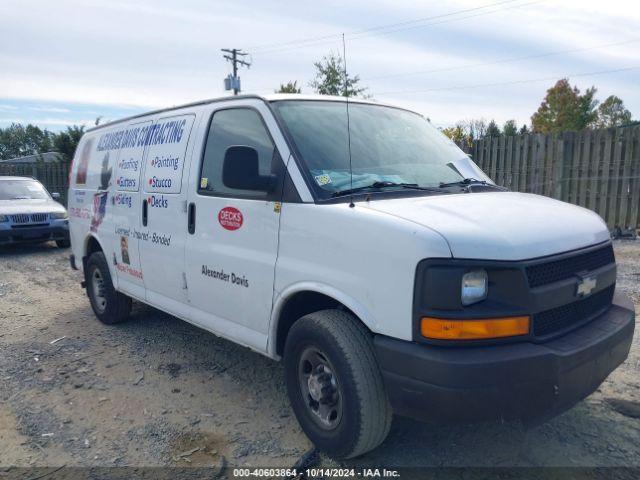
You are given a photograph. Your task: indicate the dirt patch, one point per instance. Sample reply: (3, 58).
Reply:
(156, 391)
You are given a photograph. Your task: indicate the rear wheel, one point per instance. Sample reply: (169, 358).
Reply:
(334, 384)
(109, 305)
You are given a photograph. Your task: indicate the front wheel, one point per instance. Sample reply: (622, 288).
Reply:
(109, 305)
(334, 384)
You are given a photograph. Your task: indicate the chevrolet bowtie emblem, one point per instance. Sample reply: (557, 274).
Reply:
(585, 286)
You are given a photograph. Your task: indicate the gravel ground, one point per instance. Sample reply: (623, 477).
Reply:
(156, 391)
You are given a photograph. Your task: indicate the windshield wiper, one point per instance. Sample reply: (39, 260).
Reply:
(382, 185)
(470, 181)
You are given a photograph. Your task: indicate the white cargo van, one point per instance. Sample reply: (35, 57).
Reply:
(386, 270)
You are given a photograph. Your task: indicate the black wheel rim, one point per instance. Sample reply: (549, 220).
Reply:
(320, 388)
(98, 290)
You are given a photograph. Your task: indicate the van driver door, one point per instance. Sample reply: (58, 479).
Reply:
(232, 245)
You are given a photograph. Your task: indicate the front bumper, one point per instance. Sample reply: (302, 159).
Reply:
(39, 233)
(526, 381)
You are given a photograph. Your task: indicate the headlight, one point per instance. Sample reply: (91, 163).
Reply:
(4, 218)
(58, 215)
(475, 285)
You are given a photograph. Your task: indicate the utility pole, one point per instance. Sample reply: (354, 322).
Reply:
(232, 82)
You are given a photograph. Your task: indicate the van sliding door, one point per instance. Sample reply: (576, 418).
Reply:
(163, 210)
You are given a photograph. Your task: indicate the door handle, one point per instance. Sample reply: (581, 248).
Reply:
(191, 218)
(145, 210)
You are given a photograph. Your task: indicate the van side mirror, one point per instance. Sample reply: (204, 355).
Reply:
(240, 170)
(55, 196)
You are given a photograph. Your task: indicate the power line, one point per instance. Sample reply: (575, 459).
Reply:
(500, 61)
(451, 20)
(500, 84)
(388, 28)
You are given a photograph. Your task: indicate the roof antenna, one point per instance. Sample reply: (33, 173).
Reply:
(346, 94)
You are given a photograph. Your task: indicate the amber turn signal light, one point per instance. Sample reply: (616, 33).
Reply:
(446, 329)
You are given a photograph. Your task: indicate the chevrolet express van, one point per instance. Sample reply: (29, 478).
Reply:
(385, 269)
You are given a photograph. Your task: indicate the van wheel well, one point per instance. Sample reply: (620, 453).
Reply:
(299, 305)
(92, 247)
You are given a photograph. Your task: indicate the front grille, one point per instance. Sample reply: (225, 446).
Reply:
(564, 317)
(557, 270)
(23, 218)
(20, 218)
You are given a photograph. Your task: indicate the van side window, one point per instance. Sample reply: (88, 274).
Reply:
(236, 126)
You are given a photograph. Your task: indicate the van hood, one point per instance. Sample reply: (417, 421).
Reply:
(500, 225)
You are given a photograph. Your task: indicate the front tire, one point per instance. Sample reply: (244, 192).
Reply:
(109, 305)
(334, 384)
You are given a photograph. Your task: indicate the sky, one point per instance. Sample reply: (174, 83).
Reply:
(68, 62)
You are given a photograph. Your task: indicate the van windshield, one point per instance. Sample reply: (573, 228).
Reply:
(22, 190)
(388, 146)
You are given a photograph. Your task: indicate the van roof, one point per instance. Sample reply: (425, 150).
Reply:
(266, 98)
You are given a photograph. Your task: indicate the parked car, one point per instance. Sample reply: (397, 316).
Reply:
(28, 213)
(361, 246)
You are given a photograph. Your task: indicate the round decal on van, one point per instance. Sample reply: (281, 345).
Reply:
(230, 218)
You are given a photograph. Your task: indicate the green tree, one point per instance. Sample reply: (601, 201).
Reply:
(331, 78)
(476, 128)
(612, 113)
(564, 108)
(493, 130)
(17, 140)
(457, 134)
(510, 128)
(289, 87)
(65, 142)
(524, 130)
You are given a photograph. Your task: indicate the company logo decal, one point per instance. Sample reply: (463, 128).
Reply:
(129, 270)
(124, 182)
(585, 286)
(124, 250)
(158, 201)
(80, 212)
(130, 164)
(166, 162)
(230, 218)
(100, 197)
(221, 275)
(160, 182)
(122, 199)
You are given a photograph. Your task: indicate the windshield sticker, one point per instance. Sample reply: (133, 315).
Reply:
(204, 181)
(230, 218)
(323, 179)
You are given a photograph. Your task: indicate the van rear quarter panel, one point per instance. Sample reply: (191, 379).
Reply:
(88, 195)
(362, 258)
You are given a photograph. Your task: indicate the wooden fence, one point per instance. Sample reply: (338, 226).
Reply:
(54, 176)
(596, 169)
